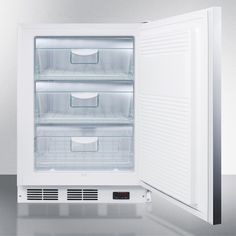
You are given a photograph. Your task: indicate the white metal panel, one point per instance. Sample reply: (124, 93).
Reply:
(173, 109)
(79, 194)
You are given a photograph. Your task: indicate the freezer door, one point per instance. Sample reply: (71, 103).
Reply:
(178, 142)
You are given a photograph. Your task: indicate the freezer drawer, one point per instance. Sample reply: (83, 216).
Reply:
(84, 107)
(84, 148)
(90, 63)
(84, 58)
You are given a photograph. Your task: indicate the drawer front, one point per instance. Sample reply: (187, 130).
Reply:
(84, 147)
(53, 107)
(84, 131)
(84, 153)
(84, 62)
(84, 86)
(83, 144)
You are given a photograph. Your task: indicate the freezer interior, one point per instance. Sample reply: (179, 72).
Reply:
(84, 103)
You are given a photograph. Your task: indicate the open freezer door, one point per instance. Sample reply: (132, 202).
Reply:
(178, 144)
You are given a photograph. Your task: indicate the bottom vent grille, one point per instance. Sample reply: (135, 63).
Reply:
(50, 194)
(34, 194)
(74, 194)
(90, 194)
(82, 194)
(42, 194)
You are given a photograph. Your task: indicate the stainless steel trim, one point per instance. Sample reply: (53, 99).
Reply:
(214, 26)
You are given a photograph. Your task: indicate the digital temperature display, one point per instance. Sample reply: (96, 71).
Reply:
(120, 195)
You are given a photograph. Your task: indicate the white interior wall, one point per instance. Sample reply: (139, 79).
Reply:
(13, 12)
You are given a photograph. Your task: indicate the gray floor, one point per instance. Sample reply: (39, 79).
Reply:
(160, 218)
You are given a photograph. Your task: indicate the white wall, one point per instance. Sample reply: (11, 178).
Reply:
(13, 12)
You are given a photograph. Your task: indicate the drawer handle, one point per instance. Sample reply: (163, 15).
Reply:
(84, 144)
(84, 56)
(84, 99)
(84, 52)
(84, 95)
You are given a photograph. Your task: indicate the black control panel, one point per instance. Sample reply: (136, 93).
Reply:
(121, 195)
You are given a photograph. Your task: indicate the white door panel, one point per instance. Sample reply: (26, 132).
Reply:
(174, 113)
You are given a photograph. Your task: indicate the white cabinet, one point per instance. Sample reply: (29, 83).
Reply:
(110, 112)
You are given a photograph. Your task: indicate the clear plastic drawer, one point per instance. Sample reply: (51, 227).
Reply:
(99, 148)
(84, 107)
(72, 58)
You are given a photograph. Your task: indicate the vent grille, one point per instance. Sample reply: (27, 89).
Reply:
(34, 194)
(82, 194)
(42, 194)
(74, 194)
(50, 194)
(90, 194)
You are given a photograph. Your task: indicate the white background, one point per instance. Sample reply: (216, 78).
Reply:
(13, 12)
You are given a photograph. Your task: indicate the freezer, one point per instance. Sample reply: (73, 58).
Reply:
(120, 111)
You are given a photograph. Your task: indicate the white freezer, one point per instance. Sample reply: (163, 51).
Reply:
(112, 112)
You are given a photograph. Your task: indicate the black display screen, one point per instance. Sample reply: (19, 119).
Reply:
(120, 195)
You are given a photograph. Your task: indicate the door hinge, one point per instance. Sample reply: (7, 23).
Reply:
(149, 196)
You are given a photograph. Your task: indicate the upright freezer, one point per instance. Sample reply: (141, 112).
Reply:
(112, 112)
